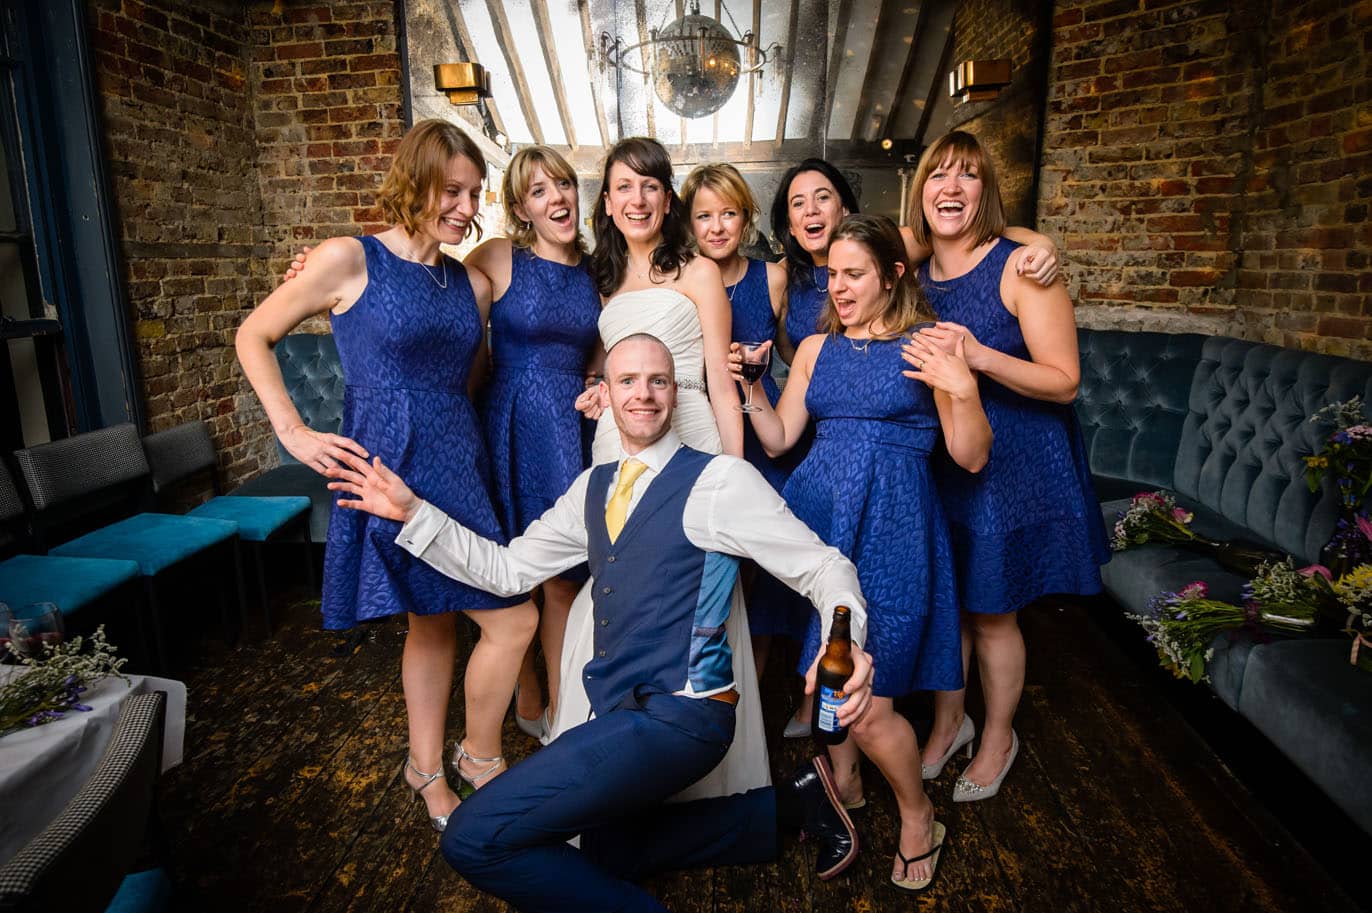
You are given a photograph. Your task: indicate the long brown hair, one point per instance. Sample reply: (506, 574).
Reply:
(905, 305)
(410, 191)
(610, 258)
(960, 150)
(514, 187)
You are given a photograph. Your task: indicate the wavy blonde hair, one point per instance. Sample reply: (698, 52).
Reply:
(410, 191)
(905, 305)
(724, 180)
(514, 187)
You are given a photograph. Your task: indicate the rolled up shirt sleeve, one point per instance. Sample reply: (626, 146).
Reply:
(734, 510)
(552, 544)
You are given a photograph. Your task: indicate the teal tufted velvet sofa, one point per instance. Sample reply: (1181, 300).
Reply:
(314, 379)
(1223, 423)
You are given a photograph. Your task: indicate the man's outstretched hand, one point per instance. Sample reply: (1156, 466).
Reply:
(377, 490)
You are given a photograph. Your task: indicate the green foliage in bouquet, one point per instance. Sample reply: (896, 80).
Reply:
(51, 684)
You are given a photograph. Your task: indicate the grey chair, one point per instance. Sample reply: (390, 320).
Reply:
(78, 862)
(91, 478)
(186, 452)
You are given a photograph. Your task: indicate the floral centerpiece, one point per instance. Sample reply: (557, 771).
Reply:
(1153, 516)
(51, 684)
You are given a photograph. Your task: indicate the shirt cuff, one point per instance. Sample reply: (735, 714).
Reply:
(421, 530)
(857, 620)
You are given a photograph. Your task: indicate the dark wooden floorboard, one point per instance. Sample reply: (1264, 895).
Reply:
(290, 801)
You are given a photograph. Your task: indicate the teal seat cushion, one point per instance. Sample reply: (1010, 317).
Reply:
(1306, 697)
(149, 891)
(295, 479)
(69, 582)
(154, 541)
(257, 518)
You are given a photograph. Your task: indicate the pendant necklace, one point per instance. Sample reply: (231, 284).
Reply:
(730, 289)
(822, 271)
(859, 348)
(442, 269)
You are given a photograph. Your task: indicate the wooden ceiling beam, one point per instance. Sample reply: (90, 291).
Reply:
(935, 86)
(888, 119)
(865, 102)
(790, 53)
(469, 49)
(593, 73)
(545, 39)
(505, 39)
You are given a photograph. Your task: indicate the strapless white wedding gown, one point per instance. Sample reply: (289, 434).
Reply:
(671, 316)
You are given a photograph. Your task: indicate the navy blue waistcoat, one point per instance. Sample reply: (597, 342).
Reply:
(653, 587)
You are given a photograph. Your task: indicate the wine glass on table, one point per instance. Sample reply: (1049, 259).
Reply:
(756, 357)
(34, 625)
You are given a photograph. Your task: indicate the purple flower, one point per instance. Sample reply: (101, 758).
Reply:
(82, 707)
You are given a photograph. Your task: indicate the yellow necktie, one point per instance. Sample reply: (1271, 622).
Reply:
(618, 507)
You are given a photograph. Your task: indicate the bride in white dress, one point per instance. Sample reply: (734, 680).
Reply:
(654, 284)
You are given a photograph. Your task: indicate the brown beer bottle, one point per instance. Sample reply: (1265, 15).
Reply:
(835, 668)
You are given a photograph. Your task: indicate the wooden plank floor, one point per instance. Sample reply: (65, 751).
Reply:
(290, 800)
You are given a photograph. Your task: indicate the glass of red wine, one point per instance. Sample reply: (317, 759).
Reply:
(756, 358)
(34, 625)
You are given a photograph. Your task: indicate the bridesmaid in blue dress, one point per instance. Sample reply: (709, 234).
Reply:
(543, 338)
(723, 215)
(812, 198)
(1028, 525)
(865, 488)
(408, 321)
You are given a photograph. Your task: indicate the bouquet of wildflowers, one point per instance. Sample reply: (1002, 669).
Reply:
(52, 683)
(1153, 516)
(1354, 592)
(1183, 626)
(1346, 456)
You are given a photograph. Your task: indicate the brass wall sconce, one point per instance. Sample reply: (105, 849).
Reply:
(978, 80)
(463, 83)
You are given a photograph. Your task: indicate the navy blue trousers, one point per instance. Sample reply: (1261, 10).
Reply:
(607, 780)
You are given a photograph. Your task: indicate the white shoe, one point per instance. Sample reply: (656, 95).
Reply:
(967, 791)
(535, 729)
(966, 733)
(796, 729)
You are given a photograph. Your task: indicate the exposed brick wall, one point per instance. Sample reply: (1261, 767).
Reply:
(235, 133)
(1008, 125)
(328, 114)
(1303, 268)
(1204, 166)
(181, 148)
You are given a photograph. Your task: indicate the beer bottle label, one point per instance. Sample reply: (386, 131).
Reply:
(830, 699)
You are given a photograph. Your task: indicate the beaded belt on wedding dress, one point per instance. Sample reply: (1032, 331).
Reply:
(688, 383)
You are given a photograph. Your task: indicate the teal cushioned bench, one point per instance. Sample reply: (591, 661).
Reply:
(1223, 423)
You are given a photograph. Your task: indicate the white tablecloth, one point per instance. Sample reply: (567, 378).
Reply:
(42, 768)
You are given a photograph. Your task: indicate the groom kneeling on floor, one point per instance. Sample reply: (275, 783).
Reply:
(662, 529)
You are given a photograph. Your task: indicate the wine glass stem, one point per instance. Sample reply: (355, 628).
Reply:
(748, 401)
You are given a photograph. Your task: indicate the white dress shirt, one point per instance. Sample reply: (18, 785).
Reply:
(730, 509)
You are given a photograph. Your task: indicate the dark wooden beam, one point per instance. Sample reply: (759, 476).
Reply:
(888, 119)
(837, 42)
(505, 39)
(936, 85)
(545, 40)
(790, 53)
(869, 78)
(593, 72)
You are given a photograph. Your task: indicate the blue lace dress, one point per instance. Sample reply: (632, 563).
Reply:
(804, 304)
(543, 330)
(406, 347)
(865, 488)
(1028, 524)
(773, 607)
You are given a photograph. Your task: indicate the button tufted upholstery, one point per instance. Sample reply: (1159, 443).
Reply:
(1223, 423)
(1132, 403)
(314, 379)
(1246, 431)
